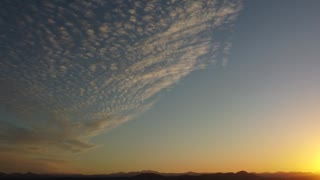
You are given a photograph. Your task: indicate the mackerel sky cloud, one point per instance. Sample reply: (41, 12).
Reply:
(73, 69)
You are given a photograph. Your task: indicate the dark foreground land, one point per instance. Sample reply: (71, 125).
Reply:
(242, 175)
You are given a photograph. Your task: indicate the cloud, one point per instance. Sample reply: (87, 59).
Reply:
(69, 76)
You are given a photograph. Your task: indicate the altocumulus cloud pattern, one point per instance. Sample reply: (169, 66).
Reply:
(72, 69)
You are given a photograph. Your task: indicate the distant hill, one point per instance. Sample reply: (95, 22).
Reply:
(290, 175)
(146, 176)
(130, 174)
(154, 175)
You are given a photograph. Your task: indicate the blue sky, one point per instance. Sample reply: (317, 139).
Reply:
(272, 72)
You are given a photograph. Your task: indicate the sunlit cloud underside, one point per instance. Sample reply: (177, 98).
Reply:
(71, 70)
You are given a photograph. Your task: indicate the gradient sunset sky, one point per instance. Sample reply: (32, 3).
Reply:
(173, 86)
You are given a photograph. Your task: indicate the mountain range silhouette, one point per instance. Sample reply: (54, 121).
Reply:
(154, 175)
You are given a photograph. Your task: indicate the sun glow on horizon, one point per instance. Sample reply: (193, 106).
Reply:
(316, 164)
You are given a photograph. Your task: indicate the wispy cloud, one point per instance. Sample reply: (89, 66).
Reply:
(72, 70)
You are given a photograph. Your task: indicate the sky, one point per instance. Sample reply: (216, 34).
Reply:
(173, 86)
